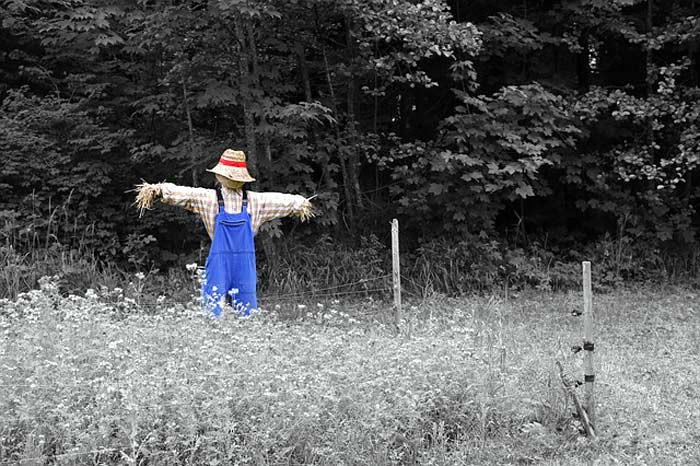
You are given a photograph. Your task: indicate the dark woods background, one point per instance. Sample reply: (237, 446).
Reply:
(511, 138)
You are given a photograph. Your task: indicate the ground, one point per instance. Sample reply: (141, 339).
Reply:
(100, 379)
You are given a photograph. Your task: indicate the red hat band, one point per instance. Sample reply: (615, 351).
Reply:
(230, 163)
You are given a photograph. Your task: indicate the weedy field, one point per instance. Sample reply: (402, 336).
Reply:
(102, 380)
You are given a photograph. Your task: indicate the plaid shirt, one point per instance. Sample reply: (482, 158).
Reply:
(262, 207)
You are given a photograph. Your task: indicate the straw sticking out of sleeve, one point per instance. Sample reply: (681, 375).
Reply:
(306, 212)
(146, 194)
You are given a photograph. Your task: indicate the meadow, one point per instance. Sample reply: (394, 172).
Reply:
(101, 379)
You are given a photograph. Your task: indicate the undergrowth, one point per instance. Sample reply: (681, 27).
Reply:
(53, 244)
(331, 268)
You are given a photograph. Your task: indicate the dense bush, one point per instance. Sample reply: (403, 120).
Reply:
(531, 135)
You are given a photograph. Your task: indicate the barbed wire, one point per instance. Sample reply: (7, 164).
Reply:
(327, 292)
(339, 293)
(344, 285)
(296, 294)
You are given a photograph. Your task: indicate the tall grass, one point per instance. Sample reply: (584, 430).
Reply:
(96, 380)
(55, 241)
(100, 379)
(326, 267)
(50, 241)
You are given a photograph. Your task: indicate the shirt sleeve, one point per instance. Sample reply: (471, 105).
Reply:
(198, 200)
(269, 206)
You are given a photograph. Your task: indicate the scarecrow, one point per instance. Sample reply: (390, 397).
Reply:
(232, 216)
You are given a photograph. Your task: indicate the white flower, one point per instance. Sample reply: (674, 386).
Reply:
(139, 276)
(301, 306)
(191, 267)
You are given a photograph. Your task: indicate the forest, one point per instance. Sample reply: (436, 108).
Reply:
(512, 139)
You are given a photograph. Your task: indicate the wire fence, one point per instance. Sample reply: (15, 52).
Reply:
(341, 289)
(327, 292)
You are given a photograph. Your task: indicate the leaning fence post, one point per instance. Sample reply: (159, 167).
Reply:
(588, 346)
(396, 269)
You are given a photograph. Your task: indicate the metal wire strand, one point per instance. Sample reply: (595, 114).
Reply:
(336, 287)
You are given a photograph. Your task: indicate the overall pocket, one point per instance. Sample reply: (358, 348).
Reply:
(232, 223)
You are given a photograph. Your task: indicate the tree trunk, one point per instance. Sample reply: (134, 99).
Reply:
(583, 63)
(693, 53)
(354, 158)
(193, 155)
(649, 55)
(649, 76)
(308, 97)
(250, 81)
(341, 159)
(303, 70)
(353, 155)
(266, 155)
(245, 88)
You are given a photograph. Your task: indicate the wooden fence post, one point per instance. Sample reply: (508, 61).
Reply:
(588, 371)
(396, 269)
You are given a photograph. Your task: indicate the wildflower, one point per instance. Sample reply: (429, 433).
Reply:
(140, 275)
(301, 307)
(319, 305)
(191, 267)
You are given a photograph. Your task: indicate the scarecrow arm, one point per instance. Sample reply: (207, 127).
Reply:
(269, 206)
(191, 199)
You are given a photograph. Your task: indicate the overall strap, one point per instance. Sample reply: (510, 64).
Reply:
(220, 197)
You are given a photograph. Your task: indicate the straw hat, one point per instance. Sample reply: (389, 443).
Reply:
(232, 165)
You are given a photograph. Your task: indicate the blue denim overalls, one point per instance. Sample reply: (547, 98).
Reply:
(230, 268)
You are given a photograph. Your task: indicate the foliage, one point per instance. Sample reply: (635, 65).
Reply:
(398, 36)
(489, 153)
(650, 177)
(569, 122)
